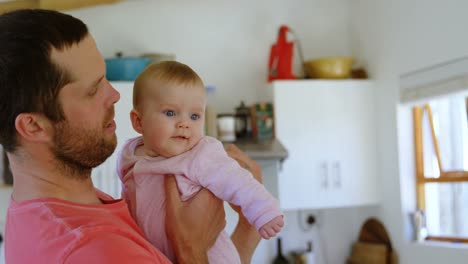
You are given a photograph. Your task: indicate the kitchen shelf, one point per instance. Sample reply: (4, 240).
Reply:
(50, 4)
(6, 186)
(261, 150)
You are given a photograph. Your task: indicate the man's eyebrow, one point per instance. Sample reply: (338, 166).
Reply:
(95, 83)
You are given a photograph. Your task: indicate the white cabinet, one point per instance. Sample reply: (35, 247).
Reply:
(328, 128)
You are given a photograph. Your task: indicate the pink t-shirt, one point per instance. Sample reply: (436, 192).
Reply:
(206, 165)
(50, 230)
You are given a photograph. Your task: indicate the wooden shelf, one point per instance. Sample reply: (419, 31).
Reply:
(50, 4)
(5, 186)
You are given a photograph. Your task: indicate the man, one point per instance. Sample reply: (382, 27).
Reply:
(56, 116)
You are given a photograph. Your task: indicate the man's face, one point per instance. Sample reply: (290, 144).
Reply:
(86, 138)
(83, 148)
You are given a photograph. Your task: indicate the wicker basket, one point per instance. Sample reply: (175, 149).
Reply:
(368, 253)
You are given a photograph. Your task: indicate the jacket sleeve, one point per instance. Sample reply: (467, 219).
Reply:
(223, 176)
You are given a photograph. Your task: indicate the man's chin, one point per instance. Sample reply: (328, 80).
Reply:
(112, 141)
(109, 148)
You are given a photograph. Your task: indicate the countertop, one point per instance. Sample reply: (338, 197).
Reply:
(262, 150)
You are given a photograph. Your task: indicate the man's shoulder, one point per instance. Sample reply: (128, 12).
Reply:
(60, 230)
(50, 217)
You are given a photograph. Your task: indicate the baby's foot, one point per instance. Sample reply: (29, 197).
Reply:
(271, 228)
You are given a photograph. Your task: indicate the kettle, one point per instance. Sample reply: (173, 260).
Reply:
(280, 63)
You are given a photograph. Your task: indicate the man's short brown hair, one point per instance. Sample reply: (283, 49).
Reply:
(29, 80)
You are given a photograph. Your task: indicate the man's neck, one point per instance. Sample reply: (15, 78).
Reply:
(34, 179)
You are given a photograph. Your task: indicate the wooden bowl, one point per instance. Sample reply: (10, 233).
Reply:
(329, 68)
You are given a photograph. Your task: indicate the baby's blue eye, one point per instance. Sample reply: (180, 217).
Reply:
(194, 117)
(169, 113)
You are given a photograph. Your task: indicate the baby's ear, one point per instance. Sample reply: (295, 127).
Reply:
(136, 121)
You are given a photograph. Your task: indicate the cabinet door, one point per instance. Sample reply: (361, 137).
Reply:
(328, 129)
(352, 141)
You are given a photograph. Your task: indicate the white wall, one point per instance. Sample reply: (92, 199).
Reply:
(397, 37)
(226, 42)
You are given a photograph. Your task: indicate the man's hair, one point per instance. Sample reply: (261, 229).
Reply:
(29, 80)
(164, 75)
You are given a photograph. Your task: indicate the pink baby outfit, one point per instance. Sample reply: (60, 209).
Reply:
(50, 230)
(206, 165)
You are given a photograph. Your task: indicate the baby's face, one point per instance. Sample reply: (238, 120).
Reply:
(173, 119)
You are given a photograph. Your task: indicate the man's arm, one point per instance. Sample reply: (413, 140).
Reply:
(245, 237)
(194, 225)
(192, 233)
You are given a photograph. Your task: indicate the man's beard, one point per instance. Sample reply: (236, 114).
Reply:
(78, 149)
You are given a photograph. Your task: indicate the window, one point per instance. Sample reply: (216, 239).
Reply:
(441, 151)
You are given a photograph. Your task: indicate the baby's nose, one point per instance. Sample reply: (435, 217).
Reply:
(182, 124)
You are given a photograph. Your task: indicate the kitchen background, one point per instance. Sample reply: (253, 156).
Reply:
(228, 44)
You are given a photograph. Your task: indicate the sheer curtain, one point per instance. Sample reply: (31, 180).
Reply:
(105, 177)
(447, 209)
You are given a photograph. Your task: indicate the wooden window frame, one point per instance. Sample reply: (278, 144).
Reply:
(445, 176)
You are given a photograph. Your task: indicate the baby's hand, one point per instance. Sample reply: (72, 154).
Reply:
(271, 228)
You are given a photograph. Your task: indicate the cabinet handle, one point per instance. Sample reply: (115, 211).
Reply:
(324, 168)
(337, 174)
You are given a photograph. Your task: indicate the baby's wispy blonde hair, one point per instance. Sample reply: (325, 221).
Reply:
(164, 74)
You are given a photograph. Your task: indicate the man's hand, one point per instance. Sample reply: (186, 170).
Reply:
(192, 226)
(245, 237)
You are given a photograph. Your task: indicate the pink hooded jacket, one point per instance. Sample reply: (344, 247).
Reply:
(206, 165)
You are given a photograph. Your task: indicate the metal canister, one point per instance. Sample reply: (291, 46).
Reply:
(242, 121)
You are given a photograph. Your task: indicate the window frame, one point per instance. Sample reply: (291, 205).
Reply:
(445, 176)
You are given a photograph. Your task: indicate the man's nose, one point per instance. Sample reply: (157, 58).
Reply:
(113, 94)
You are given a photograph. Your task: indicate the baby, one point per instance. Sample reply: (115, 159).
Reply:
(169, 103)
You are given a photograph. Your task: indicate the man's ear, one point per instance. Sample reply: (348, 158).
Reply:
(136, 121)
(33, 127)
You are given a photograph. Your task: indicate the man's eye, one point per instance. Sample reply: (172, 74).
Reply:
(93, 92)
(169, 113)
(194, 117)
